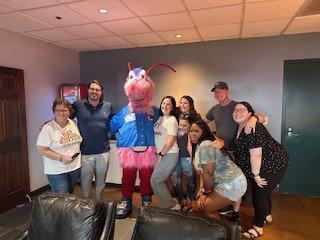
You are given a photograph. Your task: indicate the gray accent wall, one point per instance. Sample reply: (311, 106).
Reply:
(253, 68)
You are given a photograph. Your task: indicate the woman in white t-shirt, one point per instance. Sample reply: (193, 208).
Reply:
(59, 144)
(165, 130)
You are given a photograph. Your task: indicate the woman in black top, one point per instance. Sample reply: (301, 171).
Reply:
(263, 160)
(183, 176)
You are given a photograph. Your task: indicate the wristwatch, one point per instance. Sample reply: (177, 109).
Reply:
(160, 154)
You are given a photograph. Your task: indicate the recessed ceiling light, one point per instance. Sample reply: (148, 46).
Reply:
(178, 36)
(103, 10)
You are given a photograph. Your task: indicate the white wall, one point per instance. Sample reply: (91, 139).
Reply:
(45, 66)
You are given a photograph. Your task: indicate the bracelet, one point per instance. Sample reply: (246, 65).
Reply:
(255, 175)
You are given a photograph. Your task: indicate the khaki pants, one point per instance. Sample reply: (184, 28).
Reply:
(97, 165)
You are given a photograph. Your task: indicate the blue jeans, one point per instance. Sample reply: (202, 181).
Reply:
(64, 182)
(161, 173)
(184, 170)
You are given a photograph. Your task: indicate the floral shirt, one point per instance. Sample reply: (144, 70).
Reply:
(224, 171)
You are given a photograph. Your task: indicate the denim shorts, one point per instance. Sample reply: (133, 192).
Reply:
(233, 190)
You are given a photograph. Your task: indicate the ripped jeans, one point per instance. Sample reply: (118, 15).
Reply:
(184, 171)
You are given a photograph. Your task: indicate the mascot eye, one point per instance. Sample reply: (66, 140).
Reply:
(131, 75)
(143, 74)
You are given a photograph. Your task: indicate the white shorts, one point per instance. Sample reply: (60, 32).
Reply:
(233, 190)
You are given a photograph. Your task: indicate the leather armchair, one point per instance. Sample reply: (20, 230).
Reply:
(164, 224)
(57, 217)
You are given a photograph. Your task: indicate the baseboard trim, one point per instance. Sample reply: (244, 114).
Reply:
(37, 192)
(46, 188)
(117, 185)
(114, 185)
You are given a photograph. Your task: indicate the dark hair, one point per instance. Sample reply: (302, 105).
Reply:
(206, 135)
(248, 107)
(173, 112)
(206, 132)
(186, 117)
(96, 82)
(62, 101)
(193, 113)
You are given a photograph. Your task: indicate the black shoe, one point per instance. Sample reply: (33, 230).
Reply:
(226, 210)
(146, 201)
(231, 216)
(124, 209)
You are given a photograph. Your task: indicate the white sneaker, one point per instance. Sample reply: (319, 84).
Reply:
(176, 207)
(146, 203)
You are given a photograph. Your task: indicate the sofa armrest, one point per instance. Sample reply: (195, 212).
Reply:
(109, 225)
(22, 236)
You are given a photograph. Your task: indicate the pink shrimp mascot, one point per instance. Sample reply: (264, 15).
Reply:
(133, 125)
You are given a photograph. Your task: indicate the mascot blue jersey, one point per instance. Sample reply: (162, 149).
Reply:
(134, 129)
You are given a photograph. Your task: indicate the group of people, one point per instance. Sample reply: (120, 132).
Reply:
(209, 168)
(81, 147)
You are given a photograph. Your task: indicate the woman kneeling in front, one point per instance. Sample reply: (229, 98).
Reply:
(223, 181)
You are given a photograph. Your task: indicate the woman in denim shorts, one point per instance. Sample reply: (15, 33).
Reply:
(223, 181)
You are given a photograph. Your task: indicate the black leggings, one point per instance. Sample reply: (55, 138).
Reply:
(261, 199)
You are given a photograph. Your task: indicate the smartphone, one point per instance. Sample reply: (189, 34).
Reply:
(75, 155)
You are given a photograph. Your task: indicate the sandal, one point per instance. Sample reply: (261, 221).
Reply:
(266, 222)
(252, 233)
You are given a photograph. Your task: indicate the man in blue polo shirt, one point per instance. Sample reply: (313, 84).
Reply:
(93, 116)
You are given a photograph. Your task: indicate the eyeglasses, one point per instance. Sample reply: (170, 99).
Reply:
(61, 111)
(95, 90)
(240, 110)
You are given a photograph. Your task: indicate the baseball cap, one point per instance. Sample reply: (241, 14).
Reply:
(220, 85)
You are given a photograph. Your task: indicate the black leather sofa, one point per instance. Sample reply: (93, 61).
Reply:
(70, 218)
(166, 224)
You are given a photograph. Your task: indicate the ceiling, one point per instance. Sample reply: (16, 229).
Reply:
(140, 23)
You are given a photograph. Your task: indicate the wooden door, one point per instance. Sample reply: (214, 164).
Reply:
(301, 126)
(14, 172)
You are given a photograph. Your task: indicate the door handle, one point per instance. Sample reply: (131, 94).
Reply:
(291, 134)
